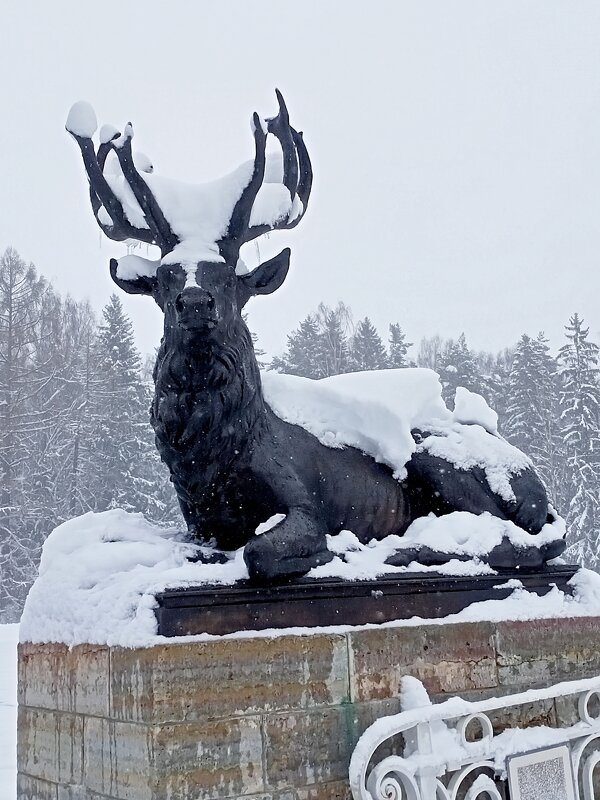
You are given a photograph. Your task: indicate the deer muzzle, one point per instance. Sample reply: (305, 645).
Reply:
(196, 309)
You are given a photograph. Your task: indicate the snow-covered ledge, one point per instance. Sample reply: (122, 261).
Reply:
(440, 761)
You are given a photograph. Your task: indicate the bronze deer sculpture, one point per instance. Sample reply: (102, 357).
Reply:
(233, 462)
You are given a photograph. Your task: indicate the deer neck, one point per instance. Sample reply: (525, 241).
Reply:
(209, 399)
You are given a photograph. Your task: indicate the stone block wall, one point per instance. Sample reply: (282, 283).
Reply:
(261, 719)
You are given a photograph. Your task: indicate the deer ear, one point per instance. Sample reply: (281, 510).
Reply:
(269, 276)
(136, 284)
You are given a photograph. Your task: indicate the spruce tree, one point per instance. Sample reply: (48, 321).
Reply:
(367, 351)
(458, 368)
(397, 348)
(120, 406)
(304, 353)
(532, 409)
(21, 381)
(85, 422)
(319, 347)
(334, 351)
(495, 384)
(580, 424)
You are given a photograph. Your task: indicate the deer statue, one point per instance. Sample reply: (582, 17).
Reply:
(233, 462)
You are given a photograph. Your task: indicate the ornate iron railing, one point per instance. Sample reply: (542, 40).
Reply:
(439, 761)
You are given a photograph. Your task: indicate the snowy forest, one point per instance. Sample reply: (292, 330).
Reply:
(75, 393)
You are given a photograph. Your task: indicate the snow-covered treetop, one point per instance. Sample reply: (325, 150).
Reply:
(192, 223)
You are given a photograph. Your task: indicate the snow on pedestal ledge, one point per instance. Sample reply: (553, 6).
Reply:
(99, 574)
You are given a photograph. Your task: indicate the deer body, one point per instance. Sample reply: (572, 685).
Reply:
(233, 462)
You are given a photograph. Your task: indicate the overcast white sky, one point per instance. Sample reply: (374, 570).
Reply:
(456, 148)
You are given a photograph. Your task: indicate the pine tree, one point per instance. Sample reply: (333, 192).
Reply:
(83, 475)
(532, 410)
(458, 368)
(494, 386)
(397, 348)
(580, 424)
(304, 353)
(21, 381)
(333, 326)
(120, 406)
(74, 428)
(367, 350)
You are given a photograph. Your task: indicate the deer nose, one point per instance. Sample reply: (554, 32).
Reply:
(195, 301)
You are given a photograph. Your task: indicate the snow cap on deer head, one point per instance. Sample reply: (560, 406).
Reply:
(199, 280)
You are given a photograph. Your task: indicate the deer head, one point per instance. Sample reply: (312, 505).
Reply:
(199, 281)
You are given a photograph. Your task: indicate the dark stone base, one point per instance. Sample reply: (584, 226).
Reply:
(311, 603)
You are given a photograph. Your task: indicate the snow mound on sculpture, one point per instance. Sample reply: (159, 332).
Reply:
(99, 573)
(376, 411)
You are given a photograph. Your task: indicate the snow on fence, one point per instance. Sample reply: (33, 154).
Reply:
(440, 761)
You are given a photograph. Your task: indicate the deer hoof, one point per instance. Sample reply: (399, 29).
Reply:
(266, 565)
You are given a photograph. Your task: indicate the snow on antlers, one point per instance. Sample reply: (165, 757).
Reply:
(191, 223)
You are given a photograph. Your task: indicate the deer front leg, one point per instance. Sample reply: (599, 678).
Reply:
(291, 548)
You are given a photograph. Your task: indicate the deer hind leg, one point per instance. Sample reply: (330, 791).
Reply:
(530, 507)
(291, 548)
(438, 486)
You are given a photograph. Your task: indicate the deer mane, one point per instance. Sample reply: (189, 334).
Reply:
(208, 399)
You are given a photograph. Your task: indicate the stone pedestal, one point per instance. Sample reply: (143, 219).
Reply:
(265, 717)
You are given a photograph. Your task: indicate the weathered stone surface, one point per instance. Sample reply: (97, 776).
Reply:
(567, 711)
(538, 713)
(310, 747)
(54, 677)
(526, 716)
(76, 792)
(264, 719)
(361, 715)
(447, 658)
(333, 790)
(205, 760)
(119, 759)
(80, 793)
(178, 682)
(50, 745)
(29, 788)
(539, 652)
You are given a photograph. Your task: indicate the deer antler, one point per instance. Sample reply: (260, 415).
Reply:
(297, 178)
(81, 124)
(121, 218)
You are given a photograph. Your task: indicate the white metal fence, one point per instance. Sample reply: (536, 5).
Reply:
(439, 760)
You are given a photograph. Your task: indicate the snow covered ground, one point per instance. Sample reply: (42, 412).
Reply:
(9, 635)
